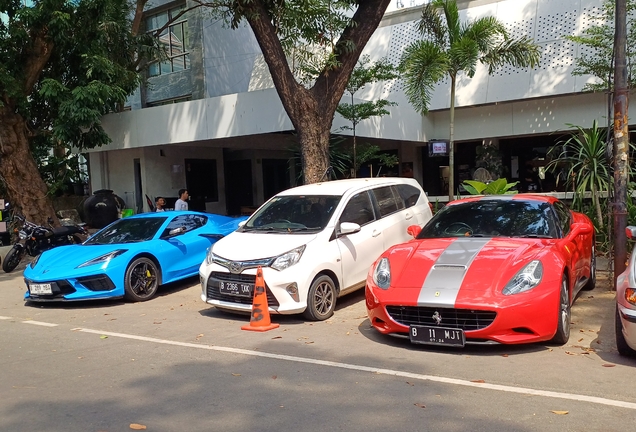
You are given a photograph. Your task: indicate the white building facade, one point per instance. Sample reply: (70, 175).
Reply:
(227, 137)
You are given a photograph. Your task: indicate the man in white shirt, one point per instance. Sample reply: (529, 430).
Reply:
(182, 202)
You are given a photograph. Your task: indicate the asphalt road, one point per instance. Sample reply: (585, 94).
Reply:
(177, 364)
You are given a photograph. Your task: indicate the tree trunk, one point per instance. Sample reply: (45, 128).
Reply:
(313, 138)
(25, 188)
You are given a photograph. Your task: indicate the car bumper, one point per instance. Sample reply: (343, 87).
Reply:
(87, 285)
(628, 319)
(277, 284)
(521, 318)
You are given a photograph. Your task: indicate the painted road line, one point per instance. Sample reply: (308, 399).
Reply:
(40, 323)
(444, 380)
(5, 318)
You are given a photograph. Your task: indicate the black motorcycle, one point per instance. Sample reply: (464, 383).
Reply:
(34, 239)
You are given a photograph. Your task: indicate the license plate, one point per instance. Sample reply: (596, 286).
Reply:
(40, 289)
(437, 336)
(236, 288)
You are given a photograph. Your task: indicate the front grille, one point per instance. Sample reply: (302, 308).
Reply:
(465, 319)
(60, 289)
(213, 288)
(97, 283)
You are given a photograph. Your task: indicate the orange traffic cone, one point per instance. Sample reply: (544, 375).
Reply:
(259, 321)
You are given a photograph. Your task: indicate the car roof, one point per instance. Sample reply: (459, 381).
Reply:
(168, 213)
(516, 197)
(340, 187)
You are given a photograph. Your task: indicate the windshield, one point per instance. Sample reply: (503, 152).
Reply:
(127, 231)
(294, 213)
(493, 218)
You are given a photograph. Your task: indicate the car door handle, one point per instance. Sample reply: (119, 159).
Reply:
(376, 233)
(408, 216)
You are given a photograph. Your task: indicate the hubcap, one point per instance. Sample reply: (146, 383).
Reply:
(143, 279)
(323, 298)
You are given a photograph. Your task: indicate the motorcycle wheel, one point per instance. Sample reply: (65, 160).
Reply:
(13, 258)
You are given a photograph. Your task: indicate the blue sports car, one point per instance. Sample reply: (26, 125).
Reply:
(129, 258)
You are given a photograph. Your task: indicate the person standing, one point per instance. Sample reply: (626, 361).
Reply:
(160, 204)
(182, 202)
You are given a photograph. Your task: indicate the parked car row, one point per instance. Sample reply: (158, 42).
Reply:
(489, 269)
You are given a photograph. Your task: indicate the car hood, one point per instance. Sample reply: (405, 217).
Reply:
(479, 264)
(71, 256)
(243, 246)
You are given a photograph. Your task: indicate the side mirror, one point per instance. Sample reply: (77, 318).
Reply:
(414, 230)
(176, 231)
(349, 228)
(630, 231)
(579, 228)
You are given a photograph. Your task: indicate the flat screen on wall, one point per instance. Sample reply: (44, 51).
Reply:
(438, 148)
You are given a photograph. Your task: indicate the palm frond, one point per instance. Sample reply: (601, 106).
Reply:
(431, 24)
(464, 55)
(520, 52)
(423, 64)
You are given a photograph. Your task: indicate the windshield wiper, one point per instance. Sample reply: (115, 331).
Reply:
(541, 236)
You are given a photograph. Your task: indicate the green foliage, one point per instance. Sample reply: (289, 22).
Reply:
(309, 31)
(363, 74)
(582, 160)
(597, 59)
(450, 46)
(90, 70)
(495, 187)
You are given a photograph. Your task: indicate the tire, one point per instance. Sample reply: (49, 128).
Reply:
(141, 280)
(562, 334)
(591, 283)
(321, 299)
(13, 258)
(621, 343)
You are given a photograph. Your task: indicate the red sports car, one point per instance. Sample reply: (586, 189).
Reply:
(485, 269)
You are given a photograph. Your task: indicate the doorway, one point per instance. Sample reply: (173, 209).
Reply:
(238, 185)
(201, 182)
(275, 177)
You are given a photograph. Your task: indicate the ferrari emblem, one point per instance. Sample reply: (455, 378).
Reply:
(437, 318)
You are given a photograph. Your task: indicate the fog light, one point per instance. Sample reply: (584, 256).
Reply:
(630, 295)
(292, 290)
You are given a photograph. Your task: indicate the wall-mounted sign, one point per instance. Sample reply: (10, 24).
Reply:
(438, 148)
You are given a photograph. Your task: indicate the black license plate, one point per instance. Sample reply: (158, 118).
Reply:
(236, 288)
(437, 336)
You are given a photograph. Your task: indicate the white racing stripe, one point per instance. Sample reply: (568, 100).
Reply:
(40, 323)
(453, 381)
(443, 281)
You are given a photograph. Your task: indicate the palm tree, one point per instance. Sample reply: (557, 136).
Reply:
(449, 47)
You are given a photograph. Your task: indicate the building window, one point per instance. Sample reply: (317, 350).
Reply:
(169, 101)
(174, 39)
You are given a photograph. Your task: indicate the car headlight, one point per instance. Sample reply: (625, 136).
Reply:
(525, 279)
(382, 274)
(287, 259)
(209, 256)
(35, 261)
(104, 258)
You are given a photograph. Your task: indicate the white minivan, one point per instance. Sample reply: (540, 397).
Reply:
(314, 243)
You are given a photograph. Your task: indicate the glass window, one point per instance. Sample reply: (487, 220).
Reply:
(358, 210)
(174, 39)
(189, 222)
(493, 218)
(386, 200)
(564, 216)
(294, 213)
(409, 194)
(127, 230)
